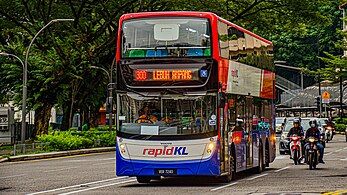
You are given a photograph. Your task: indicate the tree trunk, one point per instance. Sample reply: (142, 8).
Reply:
(42, 116)
(71, 111)
(94, 118)
(66, 115)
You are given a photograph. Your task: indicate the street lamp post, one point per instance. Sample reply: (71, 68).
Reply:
(339, 70)
(12, 55)
(110, 92)
(25, 76)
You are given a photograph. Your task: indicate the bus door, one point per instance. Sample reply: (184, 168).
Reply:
(248, 134)
(239, 132)
(224, 142)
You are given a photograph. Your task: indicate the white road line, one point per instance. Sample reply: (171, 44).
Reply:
(343, 159)
(78, 185)
(328, 153)
(280, 157)
(221, 187)
(257, 176)
(93, 160)
(12, 176)
(105, 163)
(54, 170)
(339, 150)
(96, 187)
(345, 148)
(284, 168)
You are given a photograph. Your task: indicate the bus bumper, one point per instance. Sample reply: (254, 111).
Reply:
(204, 167)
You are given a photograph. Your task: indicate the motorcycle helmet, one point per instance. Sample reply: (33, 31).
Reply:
(313, 123)
(296, 122)
(239, 122)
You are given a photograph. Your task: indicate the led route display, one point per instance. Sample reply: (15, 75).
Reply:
(165, 75)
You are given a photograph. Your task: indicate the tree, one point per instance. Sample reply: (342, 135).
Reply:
(59, 73)
(60, 59)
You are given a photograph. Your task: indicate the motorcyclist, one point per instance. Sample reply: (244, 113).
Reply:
(313, 131)
(297, 130)
(330, 123)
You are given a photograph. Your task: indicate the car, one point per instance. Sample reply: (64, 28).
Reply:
(280, 122)
(305, 123)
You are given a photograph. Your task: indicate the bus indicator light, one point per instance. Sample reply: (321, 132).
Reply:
(140, 75)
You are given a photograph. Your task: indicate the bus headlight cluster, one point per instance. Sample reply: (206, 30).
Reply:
(210, 147)
(122, 148)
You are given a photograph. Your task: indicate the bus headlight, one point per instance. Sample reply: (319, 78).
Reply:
(210, 147)
(122, 148)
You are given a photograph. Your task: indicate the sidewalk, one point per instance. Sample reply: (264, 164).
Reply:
(56, 154)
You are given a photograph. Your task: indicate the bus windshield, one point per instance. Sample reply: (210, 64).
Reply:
(166, 37)
(167, 115)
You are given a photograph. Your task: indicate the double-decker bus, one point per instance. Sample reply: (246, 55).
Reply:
(194, 97)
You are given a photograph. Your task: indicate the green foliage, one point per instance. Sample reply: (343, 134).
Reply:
(61, 56)
(340, 127)
(341, 121)
(334, 66)
(71, 140)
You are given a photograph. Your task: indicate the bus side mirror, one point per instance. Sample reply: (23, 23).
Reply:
(221, 99)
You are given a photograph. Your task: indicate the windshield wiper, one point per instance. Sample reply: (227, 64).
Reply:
(141, 94)
(177, 45)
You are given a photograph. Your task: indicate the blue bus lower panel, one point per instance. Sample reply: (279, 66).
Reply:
(206, 167)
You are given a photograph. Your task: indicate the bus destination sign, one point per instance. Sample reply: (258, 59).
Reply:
(165, 75)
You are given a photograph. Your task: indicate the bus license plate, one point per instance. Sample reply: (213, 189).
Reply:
(166, 171)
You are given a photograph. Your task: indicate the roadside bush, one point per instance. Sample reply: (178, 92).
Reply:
(72, 139)
(341, 121)
(340, 127)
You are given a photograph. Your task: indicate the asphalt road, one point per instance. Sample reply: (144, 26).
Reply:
(94, 174)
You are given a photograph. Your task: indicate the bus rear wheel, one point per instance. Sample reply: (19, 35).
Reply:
(143, 179)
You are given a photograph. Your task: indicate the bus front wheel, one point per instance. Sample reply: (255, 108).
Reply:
(143, 179)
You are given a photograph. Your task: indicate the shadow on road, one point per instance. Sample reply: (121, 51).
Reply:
(194, 181)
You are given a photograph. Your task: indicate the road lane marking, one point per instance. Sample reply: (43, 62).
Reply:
(12, 176)
(105, 163)
(97, 187)
(221, 187)
(57, 158)
(328, 153)
(280, 157)
(339, 150)
(284, 168)
(343, 159)
(78, 185)
(92, 160)
(54, 170)
(257, 177)
(345, 148)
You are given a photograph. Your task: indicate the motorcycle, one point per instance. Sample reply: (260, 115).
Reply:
(329, 133)
(312, 153)
(295, 148)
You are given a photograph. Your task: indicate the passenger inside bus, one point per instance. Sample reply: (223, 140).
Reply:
(145, 115)
(239, 125)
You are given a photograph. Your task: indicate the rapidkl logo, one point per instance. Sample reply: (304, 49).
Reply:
(166, 151)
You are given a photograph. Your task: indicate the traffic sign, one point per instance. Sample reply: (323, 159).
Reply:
(325, 97)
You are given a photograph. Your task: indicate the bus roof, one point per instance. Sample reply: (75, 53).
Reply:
(209, 15)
